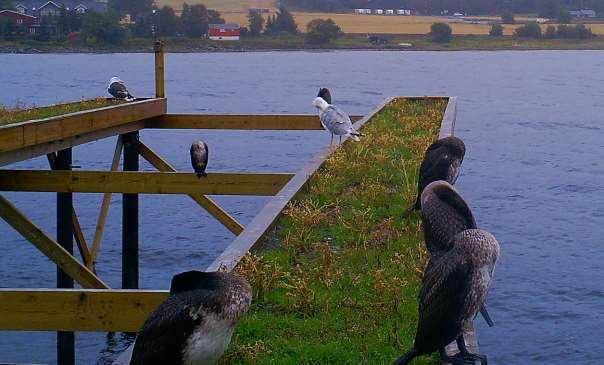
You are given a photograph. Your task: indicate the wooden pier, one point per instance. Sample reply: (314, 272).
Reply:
(97, 307)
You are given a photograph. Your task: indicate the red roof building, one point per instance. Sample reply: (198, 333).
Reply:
(17, 18)
(224, 32)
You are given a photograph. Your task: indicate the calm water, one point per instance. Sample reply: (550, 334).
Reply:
(532, 122)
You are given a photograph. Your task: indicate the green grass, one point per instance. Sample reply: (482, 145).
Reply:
(19, 114)
(341, 287)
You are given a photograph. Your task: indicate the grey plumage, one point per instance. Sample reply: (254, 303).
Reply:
(454, 287)
(442, 161)
(335, 120)
(199, 157)
(194, 325)
(117, 88)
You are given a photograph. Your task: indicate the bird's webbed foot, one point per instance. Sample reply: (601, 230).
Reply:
(464, 358)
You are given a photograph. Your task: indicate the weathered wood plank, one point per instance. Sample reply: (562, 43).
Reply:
(234, 121)
(267, 217)
(143, 182)
(49, 147)
(47, 130)
(102, 219)
(447, 127)
(208, 204)
(77, 310)
(48, 246)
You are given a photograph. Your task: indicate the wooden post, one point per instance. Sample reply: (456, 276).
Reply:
(65, 340)
(160, 91)
(130, 217)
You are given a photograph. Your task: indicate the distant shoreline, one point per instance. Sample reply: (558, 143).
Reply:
(296, 44)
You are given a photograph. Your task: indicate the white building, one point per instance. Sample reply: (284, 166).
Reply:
(389, 12)
(379, 11)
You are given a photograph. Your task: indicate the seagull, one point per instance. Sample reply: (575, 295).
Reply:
(454, 287)
(445, 214)
(325, 94)
(442, 161)
(335, 120)
(199, 157)
(195, 324)
(117, 88)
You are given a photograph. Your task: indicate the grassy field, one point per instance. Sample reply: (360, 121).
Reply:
(351, 23)
(224, 6)
(338, 281)
(19, 114)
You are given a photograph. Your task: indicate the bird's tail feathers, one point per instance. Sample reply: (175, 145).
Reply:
(406, 358)
(129, 97)
(201, 174)
(355, 137)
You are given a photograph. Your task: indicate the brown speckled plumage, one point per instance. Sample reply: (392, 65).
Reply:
(444, 214)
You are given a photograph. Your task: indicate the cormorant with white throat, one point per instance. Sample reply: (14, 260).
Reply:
(195, 324)
(454, 287)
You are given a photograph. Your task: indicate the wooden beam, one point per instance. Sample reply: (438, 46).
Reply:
(232, 121)
(48, 246)
(77, 310)
(77, 228)
(208, 204)
(102, 219)
(160, 90)
(19, 135)
(143, 182)
(268, 216)
(26, 153)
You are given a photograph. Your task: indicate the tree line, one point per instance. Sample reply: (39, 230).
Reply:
(545, 8)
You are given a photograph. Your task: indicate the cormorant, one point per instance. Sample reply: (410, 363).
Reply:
(454, 287)
(445, 214)
(194, 325)
(117, 88)
(442, 161)
(335, 120)
(199, 157)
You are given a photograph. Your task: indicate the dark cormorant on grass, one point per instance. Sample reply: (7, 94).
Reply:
(442, 161)
(199, 157)
(194, 325)
(117, 88)
(325, 94)
(444, 215)
(454, 287)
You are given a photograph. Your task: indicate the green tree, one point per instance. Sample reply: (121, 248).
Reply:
(68, 21)
(441, 33)
(196, 18)
(256, 22)
(321, 31)
(529, 30)
(282, 22)
(508, 17)
(496, 30)
(7, 29)
(167, 22)
(100, 28)
(135, 8)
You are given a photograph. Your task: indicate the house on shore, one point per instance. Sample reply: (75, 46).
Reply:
(224, 32)
(42, 8)
(22, 22)
(583, 13)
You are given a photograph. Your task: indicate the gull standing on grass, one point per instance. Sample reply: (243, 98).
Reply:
(335, 120)
(117, 88)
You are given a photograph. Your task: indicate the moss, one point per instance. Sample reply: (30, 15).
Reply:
(341, 287)
(18, 114)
